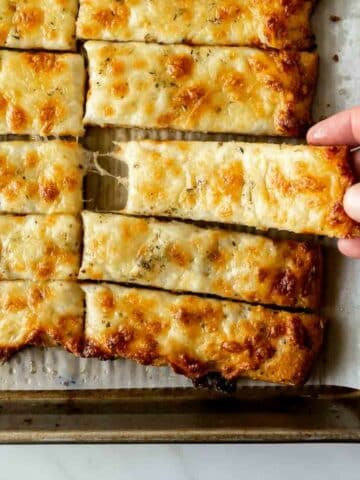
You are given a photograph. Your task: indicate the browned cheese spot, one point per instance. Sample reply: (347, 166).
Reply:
(118, 342)
(227, 12)
(298, 333)
(45, 269)
(50, 114)
(31, 160)
(130, 229)
(178, 255)
(3, 36)
(43, 62)
(113, 17)
(116, 67)
(304, 183)
(49, 191)
(28, 19)
(263, 274)
(222, 287)
(32, 189)
(3, 104)
(109, 110)
(338, 217)
(190, 98)
(229, 182)
(255, 349)
(186, 365)
(146, 351)
(285, 284)
(276, 27)
(15, 304)
(17, 119)
(37, 295)
(106, 300)
(179, 66)
(119, 89)
(235, 83)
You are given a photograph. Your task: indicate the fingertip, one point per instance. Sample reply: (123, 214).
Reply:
(350, 248)
(341, 129)
(317, 134)
(352, 202)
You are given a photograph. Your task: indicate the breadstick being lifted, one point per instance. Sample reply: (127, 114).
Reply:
(287, 187)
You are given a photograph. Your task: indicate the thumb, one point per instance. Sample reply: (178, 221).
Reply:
(352, 202)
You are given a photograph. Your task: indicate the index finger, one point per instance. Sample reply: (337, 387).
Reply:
(340, 129)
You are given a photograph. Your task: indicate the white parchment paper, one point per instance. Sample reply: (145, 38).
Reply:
(339, 88)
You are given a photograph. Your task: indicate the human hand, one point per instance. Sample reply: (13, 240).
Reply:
(343, 129)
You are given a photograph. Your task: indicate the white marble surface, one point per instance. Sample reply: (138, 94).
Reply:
(181, 462)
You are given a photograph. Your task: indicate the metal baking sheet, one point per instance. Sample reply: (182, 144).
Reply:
(338, 88)
(180, 415)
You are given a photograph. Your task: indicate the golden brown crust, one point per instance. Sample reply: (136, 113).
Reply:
(40, 314)
(249, 91)
(197, 336)
(289, 187)
(299, 88)
(181, 257)
(280, 24)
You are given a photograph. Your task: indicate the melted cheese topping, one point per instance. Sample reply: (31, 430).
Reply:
(41, 314)
(275, 24)
(37, 247)
(41, 177)
(181, 257)
(48, 24)
(294, 188)
(198, 336)
(41, 93)
(215, 89)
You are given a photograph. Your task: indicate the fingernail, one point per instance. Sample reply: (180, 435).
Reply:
(317, 132)
(352, 202)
